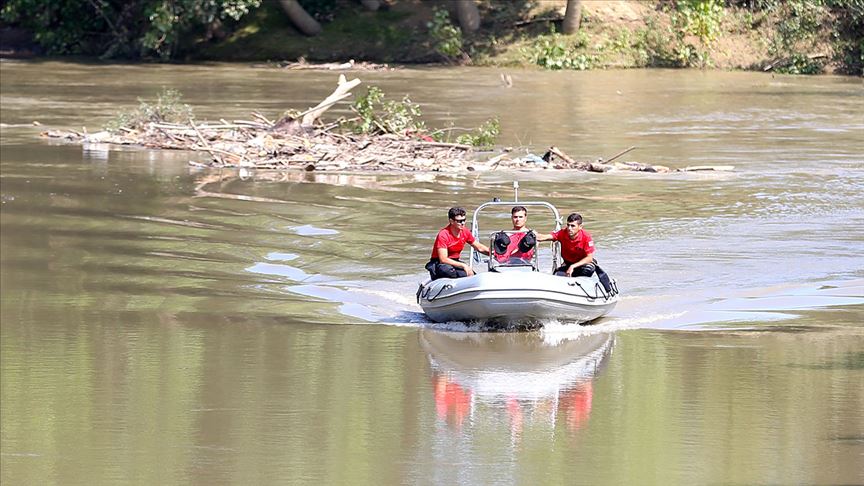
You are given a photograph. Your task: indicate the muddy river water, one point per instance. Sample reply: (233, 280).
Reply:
(167, 325)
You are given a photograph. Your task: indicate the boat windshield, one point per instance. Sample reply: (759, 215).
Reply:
(511, 256)
(510, 250)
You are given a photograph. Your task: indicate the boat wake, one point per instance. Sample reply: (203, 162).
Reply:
(392, 302)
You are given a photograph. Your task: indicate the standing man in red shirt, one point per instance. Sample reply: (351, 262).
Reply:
(448, 248)
(577, 248)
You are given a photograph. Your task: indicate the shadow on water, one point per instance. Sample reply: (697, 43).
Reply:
(850, 361)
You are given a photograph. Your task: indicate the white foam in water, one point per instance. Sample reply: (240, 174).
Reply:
(279, 270)
(393, 296)
(640, 321)
(309, 230)
(281, 257)
(555, 332)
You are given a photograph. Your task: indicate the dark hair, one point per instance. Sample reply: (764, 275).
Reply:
(516, 209)
(574, 217)
(457, 211)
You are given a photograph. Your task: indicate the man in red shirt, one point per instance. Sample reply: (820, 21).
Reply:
(577, 248)
(448, 247)
(515, 251)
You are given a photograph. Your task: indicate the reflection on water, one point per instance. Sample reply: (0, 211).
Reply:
(529, 377)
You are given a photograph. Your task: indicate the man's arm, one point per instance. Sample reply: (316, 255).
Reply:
(480, 247)
(588, 259)
(443, 258)
(543, 236)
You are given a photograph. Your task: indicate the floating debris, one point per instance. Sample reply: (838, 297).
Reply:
(302, 142)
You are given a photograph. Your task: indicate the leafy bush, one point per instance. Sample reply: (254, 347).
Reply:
(119, 29)
(484, 136)
(660, 47)
(800, 64)
(59, 27)
(699, 17)
(555, 52)
(378, 115)
(170, 20)
(168, 108)
(848, 34)
(807, 25)
(447, 37)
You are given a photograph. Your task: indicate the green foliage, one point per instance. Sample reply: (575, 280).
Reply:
(170, 19)
(446, 36)
(378, 115)
(560, 52)
(809, 25)
(660, 47)
(60, 27)
(800, 64)
(168, 108)
(119, 29)
(700, 18)
(798, 22)
(848, 34)
(484, 136)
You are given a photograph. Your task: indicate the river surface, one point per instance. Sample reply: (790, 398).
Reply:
(166, 325)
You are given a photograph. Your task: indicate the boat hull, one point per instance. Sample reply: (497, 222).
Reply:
(515, 297)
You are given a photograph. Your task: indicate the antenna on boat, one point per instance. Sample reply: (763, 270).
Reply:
(515, 191)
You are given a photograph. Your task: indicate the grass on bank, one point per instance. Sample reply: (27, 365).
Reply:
(798, 36)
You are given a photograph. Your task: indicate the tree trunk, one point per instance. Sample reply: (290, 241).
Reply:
(469, 16)
(370, 5)
(300, 18)
(572, 17)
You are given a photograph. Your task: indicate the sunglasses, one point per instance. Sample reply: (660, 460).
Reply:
(459, 221)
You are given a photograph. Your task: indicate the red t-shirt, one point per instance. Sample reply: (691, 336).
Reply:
(454, 244)
(514, 245)
(576, 249)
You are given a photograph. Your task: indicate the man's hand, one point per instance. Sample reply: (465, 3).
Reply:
(469, 271)
(570, 270)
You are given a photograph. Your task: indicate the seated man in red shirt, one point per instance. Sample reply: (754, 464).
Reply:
(448, 247)
(577, 248)
(518, 248)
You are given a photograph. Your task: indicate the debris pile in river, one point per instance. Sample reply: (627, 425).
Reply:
(349, 65)
(242, 143)
(302, 141)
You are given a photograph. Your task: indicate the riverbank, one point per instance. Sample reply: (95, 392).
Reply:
(795, 37)
(792, 37)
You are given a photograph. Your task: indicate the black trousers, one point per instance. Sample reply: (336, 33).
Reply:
(442, 270)
(581, 271)
(586, 271)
